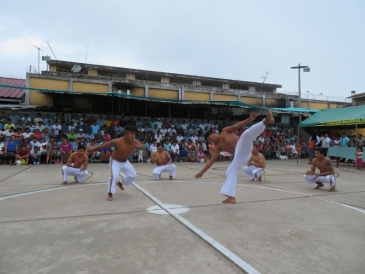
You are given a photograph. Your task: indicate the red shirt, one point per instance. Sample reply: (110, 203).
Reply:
(22, 153)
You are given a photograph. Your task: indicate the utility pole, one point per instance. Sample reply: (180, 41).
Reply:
(39, 58)
(306, 69)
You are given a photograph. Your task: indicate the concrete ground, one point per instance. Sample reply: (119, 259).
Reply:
(278, 226)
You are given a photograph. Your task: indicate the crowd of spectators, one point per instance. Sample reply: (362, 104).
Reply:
(51, 139)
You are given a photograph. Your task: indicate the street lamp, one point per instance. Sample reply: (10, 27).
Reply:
(305, 69)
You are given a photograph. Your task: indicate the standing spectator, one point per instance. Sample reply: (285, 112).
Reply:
(14, 117)
(359, 162)
(325, 143)
(48, 118)
(38, 118)
(311, 147)
(174, 151)
(26, 119)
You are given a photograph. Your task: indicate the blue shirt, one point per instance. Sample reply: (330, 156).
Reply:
(12, 146)
(95, 129)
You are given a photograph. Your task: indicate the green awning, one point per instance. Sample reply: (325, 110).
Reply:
(297, 110)
(344, 116)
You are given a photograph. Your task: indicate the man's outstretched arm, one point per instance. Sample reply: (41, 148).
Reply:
(243, 123)
(211, 161)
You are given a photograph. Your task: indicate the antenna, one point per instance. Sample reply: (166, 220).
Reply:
(87, 50)
(52, 51)
(265, 76)
(39, 57)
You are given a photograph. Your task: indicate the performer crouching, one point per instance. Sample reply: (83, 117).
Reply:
(76, 165)
(163, 160)
(326, 171)
(255, 167)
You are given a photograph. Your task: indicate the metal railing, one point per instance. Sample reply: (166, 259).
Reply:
(317, 97)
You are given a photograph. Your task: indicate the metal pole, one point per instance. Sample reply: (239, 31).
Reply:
(299, 90)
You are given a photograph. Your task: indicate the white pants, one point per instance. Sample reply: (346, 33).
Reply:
(253, 172)
(242, 154)
(166, 168)
(129, 174)
(80, 175)
(329, 179)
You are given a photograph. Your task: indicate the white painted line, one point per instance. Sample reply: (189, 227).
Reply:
(234, 258)
(45, 190)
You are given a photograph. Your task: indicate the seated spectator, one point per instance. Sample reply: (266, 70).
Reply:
(72, 136)
(191, 155)
(65, 150)
(22, 155)
(52, 150)
(201, 157)
(37, 134)
(11, 146)
(106, 136)
(34, 142)
(35, 156)
(183, 155)
(105, 154)
(18, 133)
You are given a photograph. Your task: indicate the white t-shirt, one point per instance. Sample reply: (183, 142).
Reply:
(194, 138)
(175, 148)
(326, 142)
(27, 134)
(56, 129)
(153, 148)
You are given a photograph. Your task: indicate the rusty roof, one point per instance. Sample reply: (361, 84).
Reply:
(12, 93)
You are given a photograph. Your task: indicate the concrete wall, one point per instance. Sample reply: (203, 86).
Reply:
(224, 97)
(189, 95)
(36, 98)
(90, 87)
(252, 100)
(163, 93)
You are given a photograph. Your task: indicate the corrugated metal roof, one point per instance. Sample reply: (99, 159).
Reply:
(12, 93)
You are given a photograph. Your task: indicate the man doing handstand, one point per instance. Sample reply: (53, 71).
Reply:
(123, 146)
(241, 147)
(326, 171)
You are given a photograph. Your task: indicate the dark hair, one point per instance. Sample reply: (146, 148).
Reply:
(81, 147)
(208, 133)
(159, 144)
(320, 150)
(130, 129)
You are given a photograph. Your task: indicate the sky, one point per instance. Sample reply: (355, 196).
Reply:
(232, 39)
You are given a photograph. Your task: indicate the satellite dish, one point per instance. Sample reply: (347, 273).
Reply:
(76, 68)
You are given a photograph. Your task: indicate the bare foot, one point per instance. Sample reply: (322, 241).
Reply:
(229, 200)
(76, 180)
(170, 178)
(110, 197)
(120, 185)
(332, 189)
(269, 118)
(319, 185)
(259, 179)
(64, 183)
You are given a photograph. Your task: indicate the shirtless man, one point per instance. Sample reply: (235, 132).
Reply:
(119, 160)
(241, 147)
(163, 162)
(255, 166)
(76, 165)
(326, 171)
